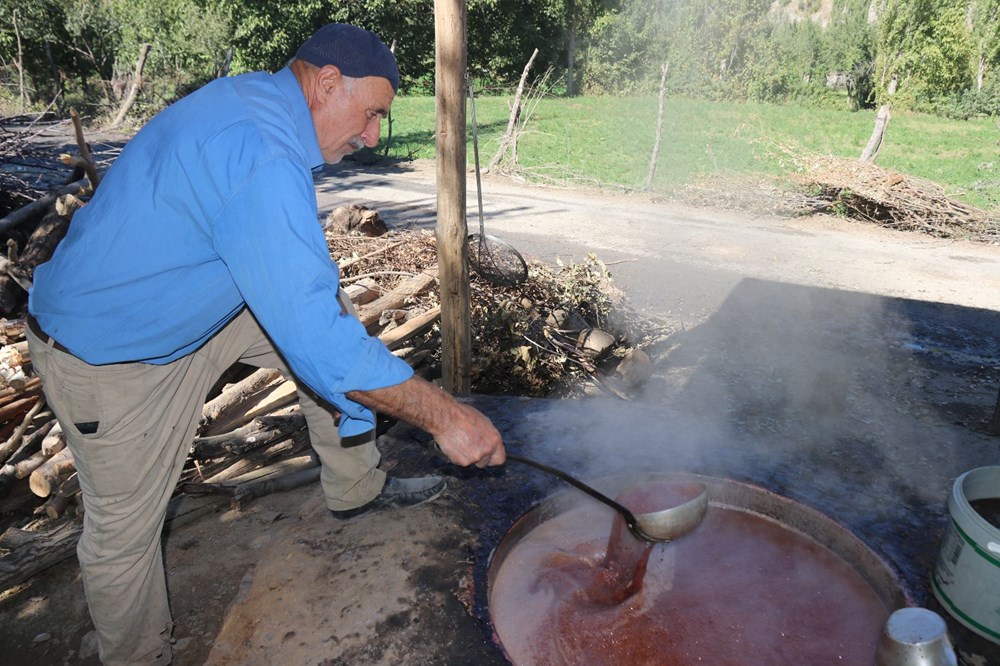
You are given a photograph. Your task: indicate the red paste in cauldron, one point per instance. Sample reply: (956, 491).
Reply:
(741, 589)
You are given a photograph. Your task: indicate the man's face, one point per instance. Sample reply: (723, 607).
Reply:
(348, 112)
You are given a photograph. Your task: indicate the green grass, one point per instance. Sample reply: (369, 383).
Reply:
(608, 141)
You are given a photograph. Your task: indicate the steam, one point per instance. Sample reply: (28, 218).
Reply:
(812, 392)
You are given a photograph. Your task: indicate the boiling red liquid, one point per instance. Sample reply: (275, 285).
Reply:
(741, 589)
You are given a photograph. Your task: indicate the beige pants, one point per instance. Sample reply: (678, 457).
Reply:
(140, 420)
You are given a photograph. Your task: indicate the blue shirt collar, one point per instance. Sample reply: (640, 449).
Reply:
(289, 86)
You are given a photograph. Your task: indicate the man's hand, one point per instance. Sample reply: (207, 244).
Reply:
(464, 433)
(471, 439)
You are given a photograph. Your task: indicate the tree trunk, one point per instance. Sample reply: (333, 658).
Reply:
(56, 77)
(878, 134)
(881, 123)
(570, 57)
(136, 84)
(20, 66)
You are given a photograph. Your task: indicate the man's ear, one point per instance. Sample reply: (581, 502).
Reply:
(328, 79)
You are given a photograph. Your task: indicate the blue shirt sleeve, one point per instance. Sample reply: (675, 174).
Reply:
(270, 239)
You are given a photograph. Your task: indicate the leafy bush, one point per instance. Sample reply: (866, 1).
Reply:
(967, 104)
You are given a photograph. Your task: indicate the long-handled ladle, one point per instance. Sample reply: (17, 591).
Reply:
(656, 526)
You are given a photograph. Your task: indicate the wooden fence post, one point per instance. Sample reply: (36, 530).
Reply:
(452, 228)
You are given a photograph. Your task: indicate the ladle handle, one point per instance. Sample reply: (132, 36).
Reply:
(628, 516)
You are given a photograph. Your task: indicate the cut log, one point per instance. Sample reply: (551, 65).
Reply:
(410, 328)
(41, 245)
(278, 469)
(55, 441)
(296, 478)
(363, 291)
(29, 418)
(260, 432)
(39, 206)
(9, 394)
(234, 400)
(248, 467)
(50, 475)
(13, 442)
(19, 407)
(11, 331)
(39, 552)
(61, 498)
(29, 447)
(419, 283)
(23, 469)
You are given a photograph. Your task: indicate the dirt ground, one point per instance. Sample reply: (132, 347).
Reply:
(832, 313)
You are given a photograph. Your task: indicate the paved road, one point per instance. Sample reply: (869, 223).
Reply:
(683, 260)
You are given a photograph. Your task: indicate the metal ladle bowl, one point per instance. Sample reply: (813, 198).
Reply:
(655, 526)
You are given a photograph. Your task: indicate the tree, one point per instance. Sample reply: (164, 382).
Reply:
(984, 23)
(927, 44)
(848, 50)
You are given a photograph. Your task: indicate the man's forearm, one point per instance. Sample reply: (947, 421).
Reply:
(416, 401)
(464, 434)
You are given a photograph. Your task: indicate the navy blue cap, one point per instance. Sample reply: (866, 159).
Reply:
(355, 51)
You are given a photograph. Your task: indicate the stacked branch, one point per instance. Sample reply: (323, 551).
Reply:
(874, 194)
(853, 189)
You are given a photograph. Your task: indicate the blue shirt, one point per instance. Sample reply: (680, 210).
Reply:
(209, 208)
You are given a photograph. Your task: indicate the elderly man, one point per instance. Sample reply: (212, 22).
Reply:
(201, 248)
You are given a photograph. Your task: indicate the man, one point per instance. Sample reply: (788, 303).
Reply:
(201, 248)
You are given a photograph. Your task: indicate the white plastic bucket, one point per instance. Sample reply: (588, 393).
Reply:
(966, 577)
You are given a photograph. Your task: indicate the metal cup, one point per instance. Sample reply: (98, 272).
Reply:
(915, 637)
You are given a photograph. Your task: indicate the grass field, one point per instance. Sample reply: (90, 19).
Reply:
(606, 141)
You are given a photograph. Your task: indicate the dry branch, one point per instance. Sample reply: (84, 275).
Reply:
(85, 156)
(508, 144)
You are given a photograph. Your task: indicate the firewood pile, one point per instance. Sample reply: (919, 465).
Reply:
(855, 190)
(564, 329)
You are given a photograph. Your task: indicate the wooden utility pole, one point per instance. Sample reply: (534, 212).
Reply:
(452, 228)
